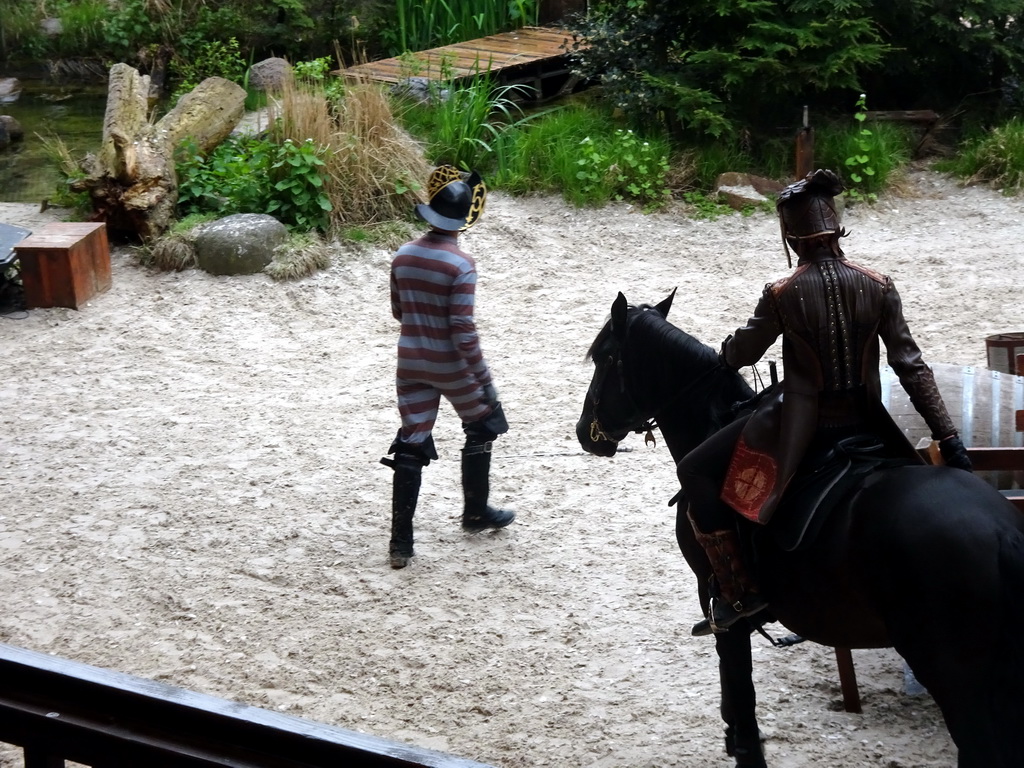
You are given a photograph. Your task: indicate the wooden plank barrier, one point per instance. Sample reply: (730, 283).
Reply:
(57, 710)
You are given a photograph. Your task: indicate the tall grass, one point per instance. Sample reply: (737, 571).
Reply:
(465, 121)
(996, 157)
(82, 25)
(423, 24)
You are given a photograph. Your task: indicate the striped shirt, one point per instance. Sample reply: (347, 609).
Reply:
(433, 285)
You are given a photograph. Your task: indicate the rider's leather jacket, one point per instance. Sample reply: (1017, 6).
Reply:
(831, 314)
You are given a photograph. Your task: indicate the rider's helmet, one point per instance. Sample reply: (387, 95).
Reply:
(454, 200)
(807, 211)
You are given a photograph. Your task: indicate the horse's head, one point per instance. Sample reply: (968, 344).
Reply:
(610, 410)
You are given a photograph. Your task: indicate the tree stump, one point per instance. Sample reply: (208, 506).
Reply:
(132, 180)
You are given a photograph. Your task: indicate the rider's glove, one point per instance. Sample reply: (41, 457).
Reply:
(953, 452)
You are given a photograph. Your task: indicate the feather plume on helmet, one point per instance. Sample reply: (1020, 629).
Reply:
(807, 211)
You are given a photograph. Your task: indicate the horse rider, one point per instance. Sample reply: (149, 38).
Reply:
(433, 284)
(830, 313)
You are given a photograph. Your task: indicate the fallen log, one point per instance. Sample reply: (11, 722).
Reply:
(131, 180)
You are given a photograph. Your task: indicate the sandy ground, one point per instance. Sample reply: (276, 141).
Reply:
(192, 493)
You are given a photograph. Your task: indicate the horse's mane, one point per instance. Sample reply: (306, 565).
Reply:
(661, 337)
(669, 340)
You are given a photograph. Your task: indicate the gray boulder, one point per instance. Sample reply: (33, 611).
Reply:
(420, 89)
(742, 190)
(241, 244)
(13, 128)
(269, 74)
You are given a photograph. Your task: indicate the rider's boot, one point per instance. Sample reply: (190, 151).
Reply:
(405, 492)
(477, 515)
(737, 593)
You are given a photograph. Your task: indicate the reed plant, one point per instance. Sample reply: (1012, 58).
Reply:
(423, 24)
(373, 171)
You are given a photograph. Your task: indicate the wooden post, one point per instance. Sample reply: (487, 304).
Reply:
(848, 680)
(804, 148)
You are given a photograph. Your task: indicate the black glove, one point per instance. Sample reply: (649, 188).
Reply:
(953, 452)
(490, 394)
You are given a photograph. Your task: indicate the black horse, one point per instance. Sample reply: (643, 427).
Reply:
(925, 559)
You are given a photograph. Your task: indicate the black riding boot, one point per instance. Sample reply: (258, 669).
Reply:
(405, 492)
(476, 469)
(737, 593)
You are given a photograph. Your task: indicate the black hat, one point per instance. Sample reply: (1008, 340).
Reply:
(807, 209)
(454, 200)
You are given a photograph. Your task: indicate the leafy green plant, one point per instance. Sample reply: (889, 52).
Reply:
(231, 179)
(703, 206)
(249, 174)
(298, 198)
(129, 28)
(316, 73)
(859, 165)
(623, 167)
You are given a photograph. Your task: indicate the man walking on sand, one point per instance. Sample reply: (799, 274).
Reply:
(433, 285)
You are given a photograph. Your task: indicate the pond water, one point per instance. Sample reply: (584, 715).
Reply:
(72, 112)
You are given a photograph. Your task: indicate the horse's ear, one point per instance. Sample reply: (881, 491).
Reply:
(666, 304)
(619, 307)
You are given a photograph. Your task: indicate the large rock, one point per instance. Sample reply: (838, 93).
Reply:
(269, 74)
(241, 244)
(743, 190)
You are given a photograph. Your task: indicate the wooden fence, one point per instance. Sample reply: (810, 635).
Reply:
(58, 710)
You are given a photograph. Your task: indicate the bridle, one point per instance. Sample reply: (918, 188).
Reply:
(597, 432)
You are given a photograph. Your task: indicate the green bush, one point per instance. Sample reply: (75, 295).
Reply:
(253, 175)
(995, 157)
(865, 154)
(213, 58)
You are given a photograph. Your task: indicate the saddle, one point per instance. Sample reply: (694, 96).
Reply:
(822, 483)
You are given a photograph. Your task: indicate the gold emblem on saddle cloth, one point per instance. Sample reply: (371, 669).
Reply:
(444, 175)
(749, 481)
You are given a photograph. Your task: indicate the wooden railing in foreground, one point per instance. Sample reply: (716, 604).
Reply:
(58, 710)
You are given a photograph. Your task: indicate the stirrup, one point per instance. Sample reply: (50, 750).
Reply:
(723, 615)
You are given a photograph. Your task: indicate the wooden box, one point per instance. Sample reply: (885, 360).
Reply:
(64, 264)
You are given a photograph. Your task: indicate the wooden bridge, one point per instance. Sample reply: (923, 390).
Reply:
(531, 56)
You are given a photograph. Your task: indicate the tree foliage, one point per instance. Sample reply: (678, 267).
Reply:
(716, 66)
